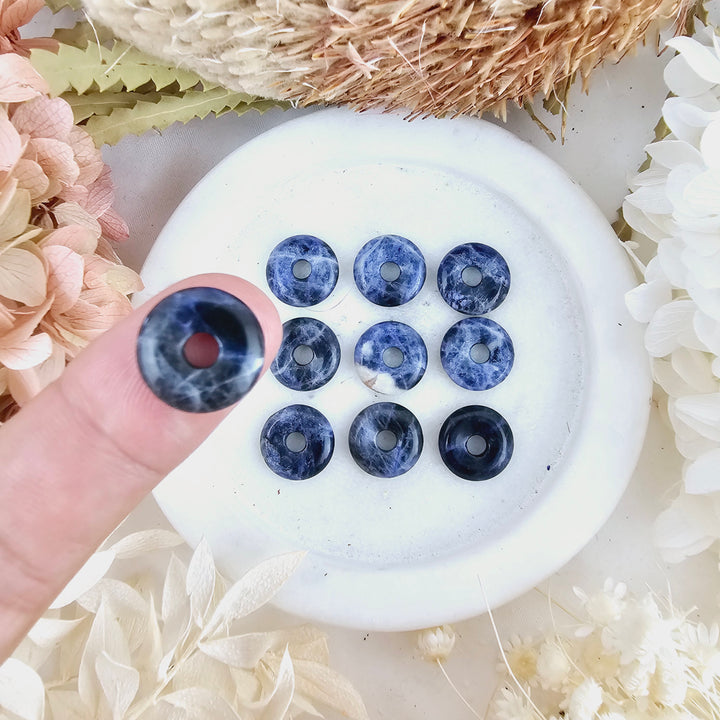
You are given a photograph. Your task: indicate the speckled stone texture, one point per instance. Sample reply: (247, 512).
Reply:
(363, 440)
(456, 349)
(319, 442)
(370, 363)
(488, 293)
(389, 249)
(466, 423)
(172, 322)
(326, 355)
(302, 292)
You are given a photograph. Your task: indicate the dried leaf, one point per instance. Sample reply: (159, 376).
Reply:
(21, 690)
(168, 110)
(119, 682)
(202, 671)
(48, 632)
(96, 66)
(145, 541)
(85, 578)
(67, 705)
(282, 694)
(201, 704)
(124, 603)
(200, 581)
(242, 651)
(105, 636)
(253, 590)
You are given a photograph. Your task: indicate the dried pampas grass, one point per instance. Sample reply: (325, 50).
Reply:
(439, 57)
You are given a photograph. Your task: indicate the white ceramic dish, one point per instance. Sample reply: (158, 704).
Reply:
(411, 551)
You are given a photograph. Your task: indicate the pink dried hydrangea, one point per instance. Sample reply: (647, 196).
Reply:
(61, 283)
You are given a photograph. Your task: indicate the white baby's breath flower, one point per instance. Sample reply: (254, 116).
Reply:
(552, 666)
(669, 685)
(511, 705)
(521, 654)
(436, 643)
(700, 645)
(585, 700)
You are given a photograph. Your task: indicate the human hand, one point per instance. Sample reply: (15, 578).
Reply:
(83, 453)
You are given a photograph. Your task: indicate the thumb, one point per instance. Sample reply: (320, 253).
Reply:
(77, 459)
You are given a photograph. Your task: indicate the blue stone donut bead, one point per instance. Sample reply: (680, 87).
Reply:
(319, 442)
(455, 450)
(363, 440)
(370, 357)
(389, 249)
(457, 347)
(302, 291)
(180, 316)
(484, 296)
(325, 348)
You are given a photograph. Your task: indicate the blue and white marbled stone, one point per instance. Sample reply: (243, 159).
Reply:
(389, 249)
(456, 358)
(326, 355)
(488, 293)
(370, 363)
(363, 440)
(302, 292)
(466, 423)
(319, 442)
(168, 327)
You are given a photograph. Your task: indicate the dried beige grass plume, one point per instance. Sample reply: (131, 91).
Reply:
(440, 57)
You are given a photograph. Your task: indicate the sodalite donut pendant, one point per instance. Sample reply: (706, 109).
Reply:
(473, 278)
(182, 315)
(309, 355)
(389, 270)
(297, 442)
(390, 357)
(302, 270)
(385, 440)
(477, 353)
(476, 443)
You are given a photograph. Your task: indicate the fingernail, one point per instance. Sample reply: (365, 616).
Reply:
(200, 349)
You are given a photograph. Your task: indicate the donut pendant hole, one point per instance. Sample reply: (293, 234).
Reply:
(201, 350)
(480, 353)
(303, 355)
(389, 271)
(301, 269)
(393, 357)
(476, 445)
(472, 276)
(386, 440)
(296, 442)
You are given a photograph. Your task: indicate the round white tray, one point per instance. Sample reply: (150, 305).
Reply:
(417, 550)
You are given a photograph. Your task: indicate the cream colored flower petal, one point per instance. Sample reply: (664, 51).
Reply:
(645, 300)
(693, 366)
(671, 153)
(85, 578)
(140, 543)
(702, 60)
(686, 528)
(14, 212)
(21, 689)
(702, 192)
(682, 80)
(703, 475)
(66, 270)
(708, 331)
(123, 279)
(701, 413)
(200, 703)
(113, 226)
(22, 277)
(78, 238)
(11, 145)
(32, 178)
(668, 327)
(19, 81)
(24, 323)
(119, 682)
(33, 351)
(70, 213)
(710, 146)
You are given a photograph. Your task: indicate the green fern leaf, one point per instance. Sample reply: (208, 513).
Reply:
(85, 106)
(159, 115)
(101, 68)
(57, 5)
(82, 33)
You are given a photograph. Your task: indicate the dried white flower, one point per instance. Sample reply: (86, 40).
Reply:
(521, 655)
(585, 700)
(513, 706)
(553, 666)
(436, 643)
